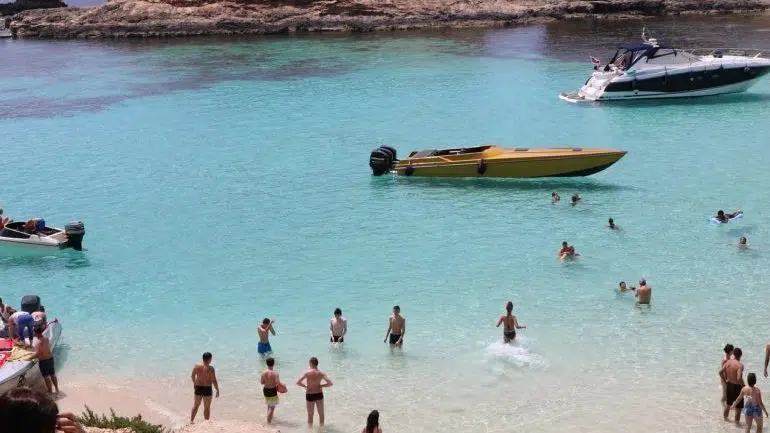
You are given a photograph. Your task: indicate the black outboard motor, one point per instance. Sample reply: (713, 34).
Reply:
(382, 159)
(30, 303)
(75, 231)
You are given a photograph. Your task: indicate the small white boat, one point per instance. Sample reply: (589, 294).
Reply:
(5, 33)
(34, 234)
(24, 373)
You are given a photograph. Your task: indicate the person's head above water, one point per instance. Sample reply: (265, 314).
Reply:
(622, 285)
(751, 379)
(337, 312)
(728, 349)
(737, 353)
(611, 222)
(642, 282)
(509, 307)
(265, 321)
(207, 357)
(564, 244)
(396, 309)
(720, 213)
(270, 362)
(742, 240)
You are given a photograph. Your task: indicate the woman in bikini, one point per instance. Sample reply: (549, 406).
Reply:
(753, 406)
(510, 322)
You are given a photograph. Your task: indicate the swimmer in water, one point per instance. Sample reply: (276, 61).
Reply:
(555, 197)
(564, 249)
(723, 217)
(622, 288)
(510, 324)
(643, 293)
(575, 199)
(569, 254)
(611, 225)
(743, 243)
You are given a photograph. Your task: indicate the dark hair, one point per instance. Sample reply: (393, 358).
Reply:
(337, 311)
(314, 361)
(565, 243)
(207, 356)
(397, 308)
(509, 306)
(621, 283)
(24, 410)
(41, 309)
(265, 321)
(737, 353)
(39, 330)
(372, 421)
(751, 379)
(611, 221)
(270, 361)
(728, 348)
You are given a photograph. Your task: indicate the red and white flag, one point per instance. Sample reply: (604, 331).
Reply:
(595, 61)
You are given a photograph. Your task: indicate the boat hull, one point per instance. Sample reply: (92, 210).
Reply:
(555, 166)
(27, 373)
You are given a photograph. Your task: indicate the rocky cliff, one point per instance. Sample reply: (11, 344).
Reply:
(156, 18)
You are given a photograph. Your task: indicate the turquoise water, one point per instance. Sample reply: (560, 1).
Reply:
(226, 181)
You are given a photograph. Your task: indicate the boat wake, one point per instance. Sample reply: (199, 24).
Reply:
(517, 354)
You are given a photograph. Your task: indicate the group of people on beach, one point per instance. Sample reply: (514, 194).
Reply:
(742, 397)
(18, 326)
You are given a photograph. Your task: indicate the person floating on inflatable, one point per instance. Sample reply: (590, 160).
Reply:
(723, 217)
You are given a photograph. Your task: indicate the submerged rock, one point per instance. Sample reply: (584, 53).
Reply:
(169, 18)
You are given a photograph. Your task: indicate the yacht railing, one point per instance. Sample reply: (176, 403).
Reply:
(745, 52)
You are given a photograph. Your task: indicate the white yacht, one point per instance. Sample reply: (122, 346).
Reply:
(34, 234)
(655, 70)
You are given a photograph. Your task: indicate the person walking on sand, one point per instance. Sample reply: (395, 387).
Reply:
(372, 423)
(728, 354)
(263, 348)
(45, 360)
(315, 381)
(753, 406)
(203, 378)
(338, 327)
(396, 328)
(732, 370)
(270, 384)
(510, 322)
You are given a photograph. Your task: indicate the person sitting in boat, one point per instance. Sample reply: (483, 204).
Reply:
(4, 220)
(41, 320)
(723, 217)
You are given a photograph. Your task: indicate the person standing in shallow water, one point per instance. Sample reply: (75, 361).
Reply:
(611, 224)
(203, 378)
(510, 324)
(753, 406)
(732, 370)
(45, 360)
(396, 328)
(643, 294)
(338, 327)
(728, 354)
(263, 347)
(372, 423)
(315, 381)
(270, 382)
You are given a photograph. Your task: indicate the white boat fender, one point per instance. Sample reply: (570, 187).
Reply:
(409, 170)
(481, 167)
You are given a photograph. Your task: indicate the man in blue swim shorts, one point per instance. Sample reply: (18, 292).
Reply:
(263, 348)
(18, 322)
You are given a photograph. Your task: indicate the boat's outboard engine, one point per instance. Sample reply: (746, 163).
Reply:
(75, 231)
(382, 159)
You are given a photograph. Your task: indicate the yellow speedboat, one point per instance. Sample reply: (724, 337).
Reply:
(494, 161)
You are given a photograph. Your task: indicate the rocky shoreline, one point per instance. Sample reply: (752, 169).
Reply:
(177, 18)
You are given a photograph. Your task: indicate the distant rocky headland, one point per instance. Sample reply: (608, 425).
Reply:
(171, 18)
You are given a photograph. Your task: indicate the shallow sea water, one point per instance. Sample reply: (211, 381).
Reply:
(222, 181)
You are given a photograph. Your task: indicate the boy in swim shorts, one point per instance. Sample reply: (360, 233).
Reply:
(315, 381)
(396, 328)
(263, 347)
(270, 381)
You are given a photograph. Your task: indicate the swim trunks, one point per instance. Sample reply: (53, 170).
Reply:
(751, 409)
(25, 321)
(271, 396)
(509, 334)
(394, 338)
(314, 396)
(264, 348)
(204, 391)
(46, 367)
(733, 391)
(336, 339)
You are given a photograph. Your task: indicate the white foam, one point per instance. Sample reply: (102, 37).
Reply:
(517, 353)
